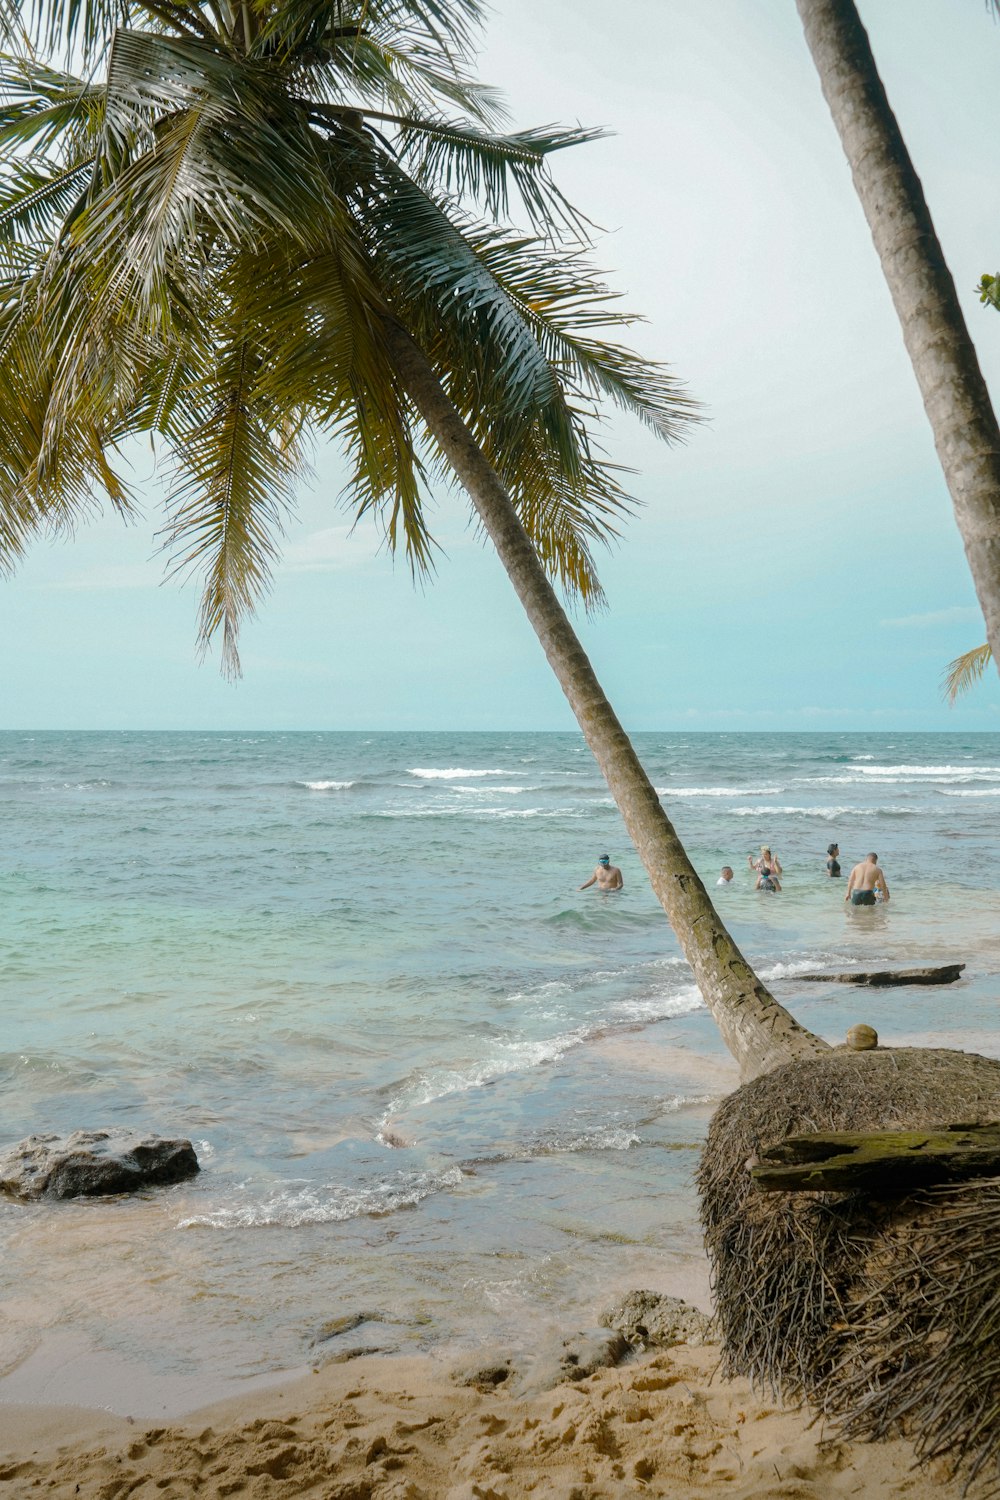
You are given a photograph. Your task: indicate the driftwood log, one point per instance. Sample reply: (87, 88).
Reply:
(877, 978)
(880, 1163)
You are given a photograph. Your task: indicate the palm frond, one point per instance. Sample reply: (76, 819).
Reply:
(235, 478)
(47, 109)
(35, 197)
(425, 262)
(965, 671)
(484, 166)
(63, 27)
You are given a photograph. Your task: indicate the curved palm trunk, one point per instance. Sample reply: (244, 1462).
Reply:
(758, 1031)
(944, 360)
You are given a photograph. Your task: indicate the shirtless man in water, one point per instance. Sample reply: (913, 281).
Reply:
(864, 880)
(607, 877)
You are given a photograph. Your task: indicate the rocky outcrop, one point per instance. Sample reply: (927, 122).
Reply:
(651, 1318)
(91, 1163)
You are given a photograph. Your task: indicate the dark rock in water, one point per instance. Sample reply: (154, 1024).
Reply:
(645, 1318)
(347, 1324)
(91, 1163)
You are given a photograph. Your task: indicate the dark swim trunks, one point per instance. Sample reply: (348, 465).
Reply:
(863, 898)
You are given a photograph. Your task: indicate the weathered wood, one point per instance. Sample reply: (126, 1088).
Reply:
(880, 1162)
(875, 978)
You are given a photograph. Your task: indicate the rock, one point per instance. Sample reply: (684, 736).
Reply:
(486, 1377)
(90, 1163)
(862, 1038)
(573, 1358)
(645, 1318)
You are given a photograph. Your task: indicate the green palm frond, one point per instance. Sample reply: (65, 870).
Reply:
(565, 302)
(425, 262)
(63, 27)
(35, 197)
(47, 109)
(45, 485)
(483, 166)
(235, 475)
(965, 671)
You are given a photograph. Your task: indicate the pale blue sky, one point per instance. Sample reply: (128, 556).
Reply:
(811, 504)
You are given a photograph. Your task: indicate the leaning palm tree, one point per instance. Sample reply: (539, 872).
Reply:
(966, 433)
(250, 223)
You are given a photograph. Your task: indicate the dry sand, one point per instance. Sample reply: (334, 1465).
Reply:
(405, 1429)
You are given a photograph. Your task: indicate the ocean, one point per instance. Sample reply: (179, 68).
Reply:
(442, 1099)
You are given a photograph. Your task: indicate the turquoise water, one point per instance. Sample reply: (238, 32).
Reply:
(428, 1079)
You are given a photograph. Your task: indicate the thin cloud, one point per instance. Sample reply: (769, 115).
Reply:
(959, 614)
(333, 550)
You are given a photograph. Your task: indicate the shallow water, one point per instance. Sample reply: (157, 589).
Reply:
(428, 1079)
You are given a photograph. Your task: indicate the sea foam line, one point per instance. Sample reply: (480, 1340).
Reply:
(451, 773)
(287, 1207)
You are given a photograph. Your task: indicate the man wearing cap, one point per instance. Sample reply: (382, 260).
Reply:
(607, 877)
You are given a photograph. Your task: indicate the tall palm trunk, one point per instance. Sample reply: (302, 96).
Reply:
(758, 1031)
(944, 360)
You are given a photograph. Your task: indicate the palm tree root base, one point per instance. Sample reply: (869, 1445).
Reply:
(882, 1313)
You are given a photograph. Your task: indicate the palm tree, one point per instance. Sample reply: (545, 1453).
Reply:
(937, 340)
(253, 229)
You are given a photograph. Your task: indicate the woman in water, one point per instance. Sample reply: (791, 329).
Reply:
(768, 868)
(833, 863)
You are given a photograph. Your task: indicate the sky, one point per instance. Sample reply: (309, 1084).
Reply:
(795, 565)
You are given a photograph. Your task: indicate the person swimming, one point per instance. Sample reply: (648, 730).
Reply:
(833, 863)
(607, 877)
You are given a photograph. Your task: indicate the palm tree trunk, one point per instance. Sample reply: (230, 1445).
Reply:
(937, 340)
(758, 1031)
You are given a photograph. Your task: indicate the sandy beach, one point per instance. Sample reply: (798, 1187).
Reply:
(412, 1429)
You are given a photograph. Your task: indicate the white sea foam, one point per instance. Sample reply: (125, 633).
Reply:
(451, 773)
(828, 814)
(603, 1138)
(717, 791)
(326, 786)
(432, 1084)
(979, 791)
(935, 773)
(652, 1008)
(291, 1205)
(492, 790)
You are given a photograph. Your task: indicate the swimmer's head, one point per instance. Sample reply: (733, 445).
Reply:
(727, 872)
(765, 848)
(605, 859)
(833, 848)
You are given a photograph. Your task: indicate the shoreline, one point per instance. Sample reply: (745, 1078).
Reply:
(407, 1428)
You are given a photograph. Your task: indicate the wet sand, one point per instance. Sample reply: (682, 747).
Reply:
(410, 1429)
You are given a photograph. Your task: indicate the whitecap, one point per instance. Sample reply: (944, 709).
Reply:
(326, 786)
(717, 791)
(828, 814)
(450, 773)
(287, 1206)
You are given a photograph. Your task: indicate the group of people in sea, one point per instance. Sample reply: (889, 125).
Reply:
(866, 884)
